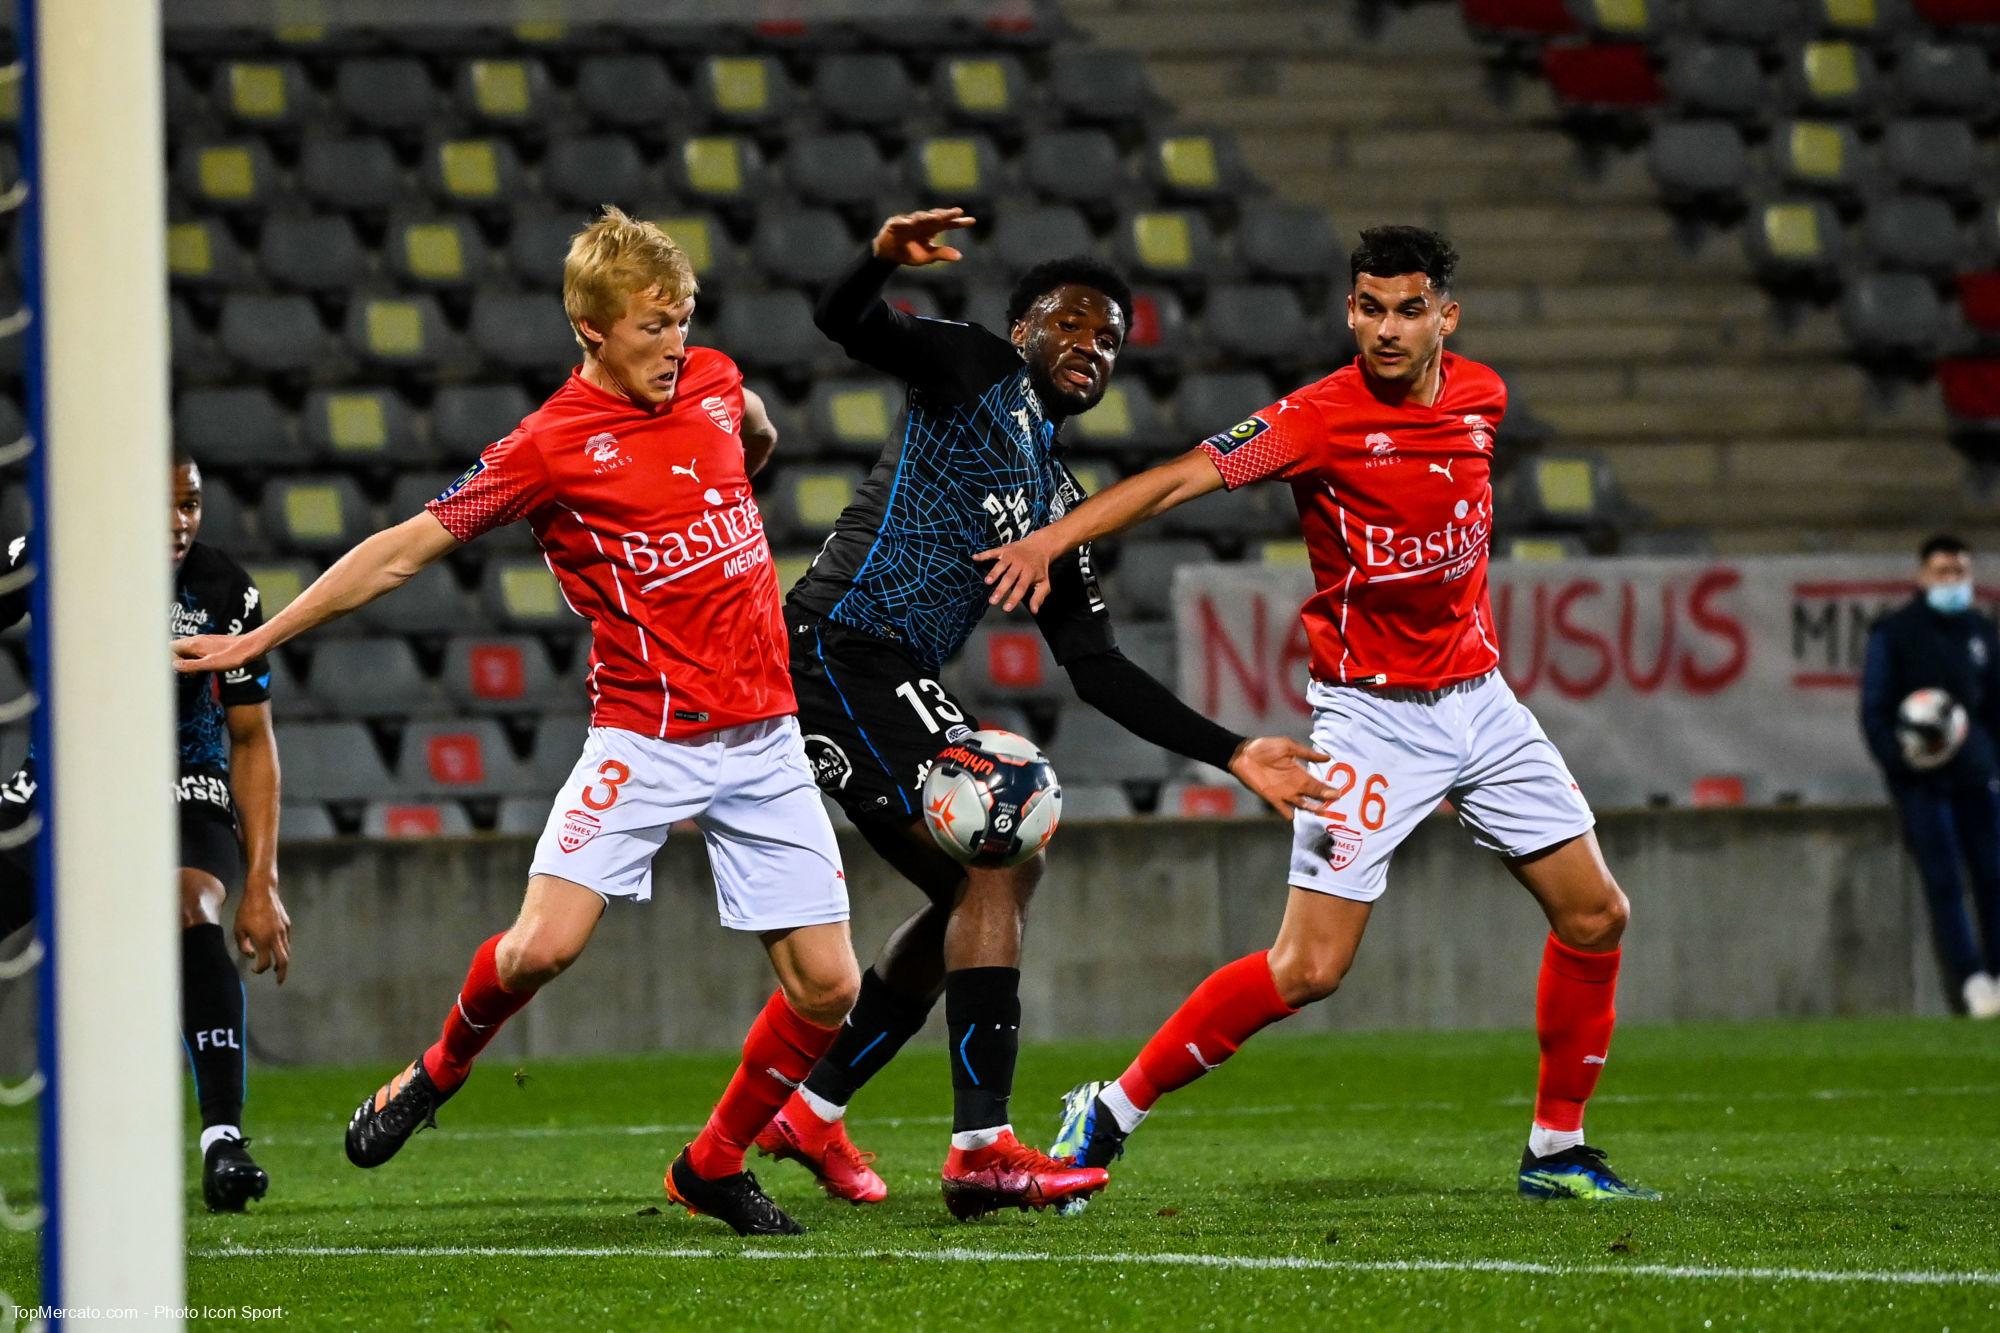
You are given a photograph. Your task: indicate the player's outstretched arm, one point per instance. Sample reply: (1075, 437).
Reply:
(378, 565)
(1021, 569)
(263, 929)
(760, 434)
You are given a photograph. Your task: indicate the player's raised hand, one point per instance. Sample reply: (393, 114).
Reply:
(1274, 767)
(912, 238)
(212, 652)
(1020, 569)
(264, 929)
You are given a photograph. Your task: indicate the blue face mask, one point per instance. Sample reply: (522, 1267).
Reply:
(1949, 598)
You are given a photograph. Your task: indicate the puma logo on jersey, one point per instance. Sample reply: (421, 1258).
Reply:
(688, 471)
(1444, 468)
(1286, 405)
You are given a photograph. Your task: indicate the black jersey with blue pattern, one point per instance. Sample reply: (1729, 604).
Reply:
(975, 463)
(213, 595)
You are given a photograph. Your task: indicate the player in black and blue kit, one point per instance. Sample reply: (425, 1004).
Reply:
(892, 596)
(227, 798)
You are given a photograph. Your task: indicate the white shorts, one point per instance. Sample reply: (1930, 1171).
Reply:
(749, 789)
(1397, 753)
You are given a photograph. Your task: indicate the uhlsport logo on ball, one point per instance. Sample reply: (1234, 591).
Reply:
(992, 799)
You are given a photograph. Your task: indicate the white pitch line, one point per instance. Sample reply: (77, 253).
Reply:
(1248, 1262)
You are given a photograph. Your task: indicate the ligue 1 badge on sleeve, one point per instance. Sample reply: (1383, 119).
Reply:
(1238, 435)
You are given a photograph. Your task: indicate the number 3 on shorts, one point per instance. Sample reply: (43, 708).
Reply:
(614, 775)
(1374, 798)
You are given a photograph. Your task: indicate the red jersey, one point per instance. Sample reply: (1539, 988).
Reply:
(646, 519)
(1396, 505)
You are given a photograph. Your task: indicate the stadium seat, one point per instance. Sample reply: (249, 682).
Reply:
(1029, 235)
(261, 94)
(705, 240)
(186, 105)
(522, 816)
(1957, 13)
(1520, 19)
(1098, 85)
(807, 500)
(357, 174)
(1010, 661)
(1932, 154)
(430, 603)
(1716, 79)
(1160, 331)
(538, 242)
(521, 594)
(1698, 160)
(1733, 20)
(1562, 492)
(414, 819)
(305, 821)
(502, 674)
(1861, 20)
(1143, 582)
(980, 90)
(1151, 647)
(1615, 18)
(1077, 167)
(1818, 154)
(202, 255)
(1887, 314)
(953, 169)
(837, 169)
(805, 246)
(459, 757)
(1613, 76)
(1125, 421)
(1090, 748)
(1235, 518)
(743, 90)
(372, 677)
(1262, 322)
(271, 334)
(228, 175)
(441, 252)
(524, 331)
(406, 332)
(1194, 166)
(1290, 242)
(1950, 78)
(505, 94)
(629, 91)
(1174, 245)
(718, 169)
(312, 253)
(1212, 796)
(853, 416)
(1912, 233)
(471, 172)
(280, 581)
(1094, 800)
(871, 91)
(224, 525)
(320, 515)
(1979, 301)
(333, 761)
(391, 93)
(411, 491)
(465, 418)
(236, 426)
(1971, 387)
(552, 756)
(1793, 238)
(362, 426)
(1207, 403)
(1832, 78)
(774, 332)
(584, 171)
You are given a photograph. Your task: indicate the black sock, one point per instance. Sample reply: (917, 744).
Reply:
(882, 1021)
(982, 1012)
(213, 1022)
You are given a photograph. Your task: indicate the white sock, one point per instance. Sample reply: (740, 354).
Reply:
(1122, 1110)
(1543, 1142)
(821, 1107)
(970, 1139)
(213, 1133)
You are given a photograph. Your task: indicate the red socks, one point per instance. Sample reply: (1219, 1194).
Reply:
(780, 1051)
(1573, 1017)
(1235, 1002)
(483, 1005)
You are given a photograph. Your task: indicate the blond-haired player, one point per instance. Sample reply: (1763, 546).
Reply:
(635, 477)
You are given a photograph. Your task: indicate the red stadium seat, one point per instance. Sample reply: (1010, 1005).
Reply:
(455, 759)
(1948, 13)
(1971, 388)
(1609, 76)
(1717, 789)
(1979, 297)
(1014, 659)
(1524, 18)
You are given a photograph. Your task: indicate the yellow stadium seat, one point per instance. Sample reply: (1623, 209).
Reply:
(1620, 16)
(714, 165)
(395, 328)
(1539, 549)
(1188, 162)
(820, 497)
(1816, 151)
(432, 252)
(1564, 485)
(1791, 231)
(278, 586)
(257, 92)
(530, 592)
(1283, 555)
(691, 234)
(1111, 419)
(313, 513)
(355, 423)
(979, 85)
(1091, 477)
(188, 251)
(227, 173)
(1833, 70)
(10, 93)
(541, 31)
(951, 164)
(860, 415)
(1851, 13)
(1162, 240)
(791, 568)
(469, 168)
(742, 86)
(500, 88)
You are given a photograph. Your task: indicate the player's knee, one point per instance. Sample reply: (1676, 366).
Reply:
(825, 997)
(1303, 978)
(529, 960)
(1600, 926)
(201, 902)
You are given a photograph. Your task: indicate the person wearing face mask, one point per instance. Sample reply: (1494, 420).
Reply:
(1951, 813)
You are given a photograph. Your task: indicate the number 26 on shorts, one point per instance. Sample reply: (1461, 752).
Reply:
(1374, 796)
(603, 794)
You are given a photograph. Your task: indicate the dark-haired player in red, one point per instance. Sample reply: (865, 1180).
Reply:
(1389, 460)
(633, 477)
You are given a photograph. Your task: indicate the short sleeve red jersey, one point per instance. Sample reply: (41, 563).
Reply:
(646, 519)
(1396, 506)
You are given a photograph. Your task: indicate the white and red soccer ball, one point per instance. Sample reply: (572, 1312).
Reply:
(991, 799)
(1930, 728)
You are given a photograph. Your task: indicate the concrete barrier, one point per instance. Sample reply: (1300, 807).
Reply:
(1736, 914)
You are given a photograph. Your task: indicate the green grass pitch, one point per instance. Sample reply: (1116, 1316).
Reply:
(1818, 1175)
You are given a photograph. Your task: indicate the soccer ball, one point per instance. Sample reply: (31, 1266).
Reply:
(1930, 726)
(991, 799)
